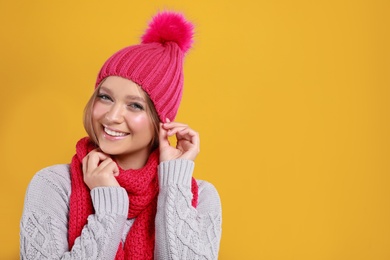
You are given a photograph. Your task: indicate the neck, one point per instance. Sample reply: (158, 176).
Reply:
(132, 161)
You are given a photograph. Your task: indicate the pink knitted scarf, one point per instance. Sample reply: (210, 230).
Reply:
(142, 188)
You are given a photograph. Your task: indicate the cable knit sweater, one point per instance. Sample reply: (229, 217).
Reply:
(182, 232)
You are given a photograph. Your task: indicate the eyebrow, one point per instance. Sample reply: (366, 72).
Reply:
(138, 98)
(128, 97)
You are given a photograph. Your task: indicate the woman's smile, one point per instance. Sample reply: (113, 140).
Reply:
(114, 133)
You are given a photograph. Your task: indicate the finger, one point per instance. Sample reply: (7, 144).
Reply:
(189, 135)
(169, 125)
(109, 166)
(103, 164)
(84, 164)
(163, 137)
(94, 158)
(116, 172)
(177, 129)
(182, 131)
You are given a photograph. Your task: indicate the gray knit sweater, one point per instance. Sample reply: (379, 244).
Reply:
(182, 232)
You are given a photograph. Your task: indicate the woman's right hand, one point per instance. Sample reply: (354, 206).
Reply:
(99, 170)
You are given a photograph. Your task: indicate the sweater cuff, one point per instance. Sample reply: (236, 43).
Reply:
(110, 200)
(175, 172)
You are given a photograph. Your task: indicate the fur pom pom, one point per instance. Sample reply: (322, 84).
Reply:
(170, 27)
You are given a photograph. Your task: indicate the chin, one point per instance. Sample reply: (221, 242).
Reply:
(110, 149)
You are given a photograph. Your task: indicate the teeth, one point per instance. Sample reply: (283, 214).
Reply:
(113, 133)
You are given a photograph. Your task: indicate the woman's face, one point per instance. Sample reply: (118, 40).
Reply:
(121, 123)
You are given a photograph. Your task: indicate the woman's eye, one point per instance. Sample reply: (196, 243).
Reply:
(104, 97)
(136, 106)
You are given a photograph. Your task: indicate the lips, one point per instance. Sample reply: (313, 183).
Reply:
(114, 133)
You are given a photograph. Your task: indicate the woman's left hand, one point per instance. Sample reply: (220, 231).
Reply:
(187, 145)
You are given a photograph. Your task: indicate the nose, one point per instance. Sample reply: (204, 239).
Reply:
(115, 114)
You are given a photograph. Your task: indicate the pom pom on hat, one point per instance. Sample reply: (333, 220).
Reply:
(170, 27)
(156, 64)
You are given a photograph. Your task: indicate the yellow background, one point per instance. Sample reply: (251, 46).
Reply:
(291, 99)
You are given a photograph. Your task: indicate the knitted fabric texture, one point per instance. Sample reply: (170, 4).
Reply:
(156, 64)
(142, 188)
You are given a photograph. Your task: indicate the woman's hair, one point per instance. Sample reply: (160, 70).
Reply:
(150, 110)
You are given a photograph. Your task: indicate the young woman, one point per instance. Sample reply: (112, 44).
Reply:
(127, 193)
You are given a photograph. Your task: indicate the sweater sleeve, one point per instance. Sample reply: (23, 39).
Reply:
(44, 223)
(182, 231)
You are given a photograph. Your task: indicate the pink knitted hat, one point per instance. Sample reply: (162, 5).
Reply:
(157, 63)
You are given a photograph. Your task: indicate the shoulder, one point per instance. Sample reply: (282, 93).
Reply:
(205, 186)
(50, 185)
(208, 196)
(56, 176)
(46, 204)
